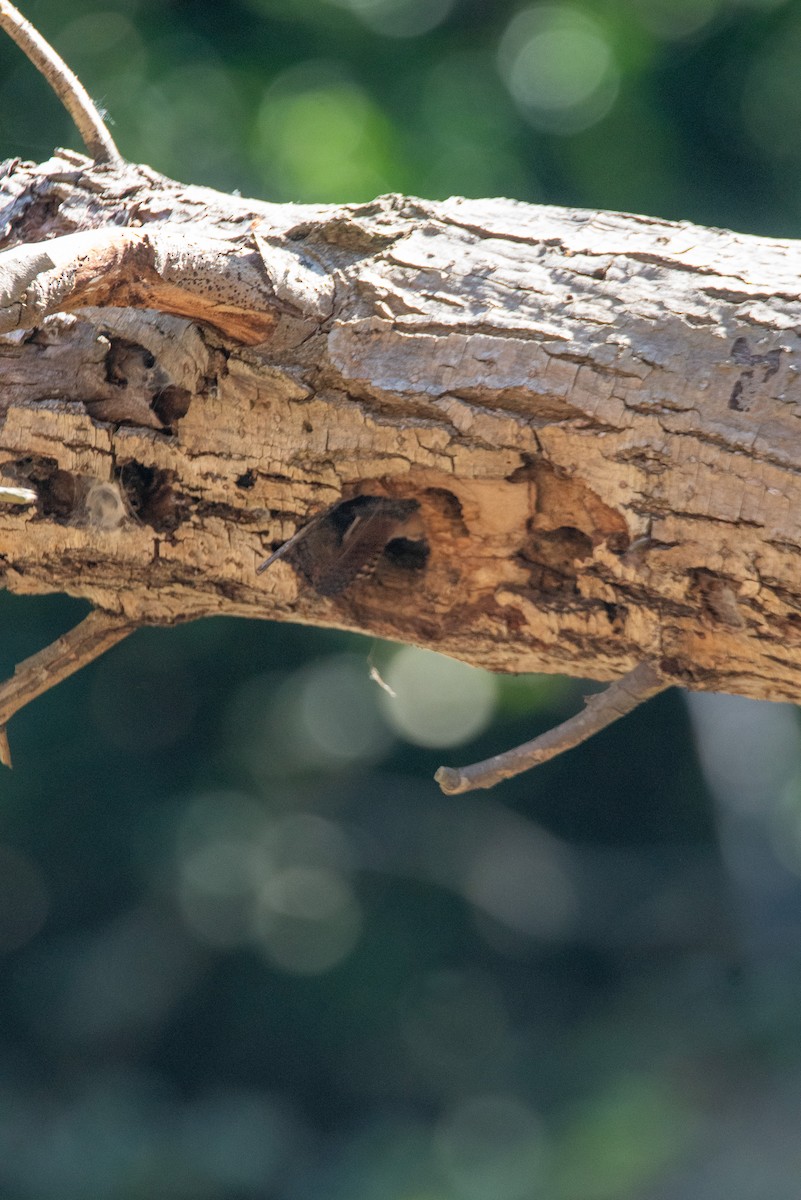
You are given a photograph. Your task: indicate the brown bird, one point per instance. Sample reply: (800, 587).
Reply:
(344, 542)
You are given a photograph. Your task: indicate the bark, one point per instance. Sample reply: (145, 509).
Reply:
(597, 416)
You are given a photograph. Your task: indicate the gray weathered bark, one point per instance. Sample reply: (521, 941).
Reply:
(597, 414)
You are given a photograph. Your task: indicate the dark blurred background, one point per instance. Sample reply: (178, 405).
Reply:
(247, 949)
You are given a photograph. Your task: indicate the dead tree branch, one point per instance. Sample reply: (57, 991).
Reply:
(601, 709)
(593, 418)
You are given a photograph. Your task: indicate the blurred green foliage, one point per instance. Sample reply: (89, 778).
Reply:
(246, 948)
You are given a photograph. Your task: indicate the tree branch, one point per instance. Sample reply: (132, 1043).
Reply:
(64, 83)
(592, 416)
(601, 710)
(35, 675)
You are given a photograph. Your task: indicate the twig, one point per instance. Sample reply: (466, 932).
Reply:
(601, 710)
(65, 84)
(35, 675)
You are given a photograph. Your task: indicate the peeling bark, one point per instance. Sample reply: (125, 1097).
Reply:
(596, 415)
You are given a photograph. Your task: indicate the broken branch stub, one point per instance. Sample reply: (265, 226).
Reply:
(601, 709)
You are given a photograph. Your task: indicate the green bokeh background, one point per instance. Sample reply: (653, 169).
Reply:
(241, 957)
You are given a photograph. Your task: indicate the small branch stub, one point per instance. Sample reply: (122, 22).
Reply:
(35, 675)
(601, 710)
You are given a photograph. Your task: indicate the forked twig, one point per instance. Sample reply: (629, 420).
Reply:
(65, 84)
(602, 709)
(35, 675)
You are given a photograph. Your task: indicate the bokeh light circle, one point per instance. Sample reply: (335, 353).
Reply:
(308, 919)
(438, 701)
(558, 66)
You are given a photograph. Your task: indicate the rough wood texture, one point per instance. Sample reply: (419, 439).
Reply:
(597, 414)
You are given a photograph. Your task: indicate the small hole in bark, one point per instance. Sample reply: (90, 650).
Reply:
(616, 614)
(247, 480)
(149, 492)
(447, 501)
(171, 404)
(58, 490)
(120, 358)
(444, 504)
(308, 427)
(58, 494)
(407, 553)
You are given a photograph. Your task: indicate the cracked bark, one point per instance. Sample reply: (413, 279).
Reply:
(597, 416)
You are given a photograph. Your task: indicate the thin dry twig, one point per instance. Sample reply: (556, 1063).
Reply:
(65, 84)
(35, 675)
(602, 709)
